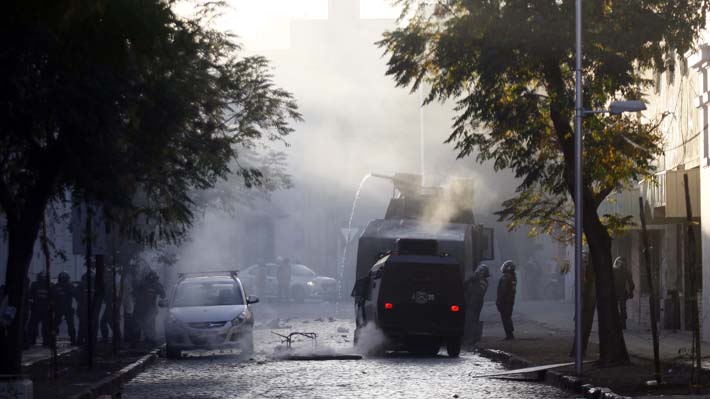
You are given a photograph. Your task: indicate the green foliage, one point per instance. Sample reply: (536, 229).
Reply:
(510, 67)
(126, 103)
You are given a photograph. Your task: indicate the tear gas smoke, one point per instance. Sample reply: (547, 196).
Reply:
(356, 123)
(369, 339)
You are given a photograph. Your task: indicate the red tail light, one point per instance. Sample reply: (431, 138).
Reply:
(455, 308)
(388, 306)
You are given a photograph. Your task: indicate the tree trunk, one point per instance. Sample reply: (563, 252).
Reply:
(612, 347)
(589, 304)
(22, 234)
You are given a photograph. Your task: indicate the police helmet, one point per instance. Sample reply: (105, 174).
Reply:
(482, 270)
(63, 278)
(619, 263)
(508, 267)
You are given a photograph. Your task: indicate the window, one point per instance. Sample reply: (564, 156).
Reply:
(208, 294)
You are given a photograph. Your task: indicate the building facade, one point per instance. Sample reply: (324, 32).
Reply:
(678, 235)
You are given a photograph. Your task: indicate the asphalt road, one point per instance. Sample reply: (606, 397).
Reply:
(226, 374)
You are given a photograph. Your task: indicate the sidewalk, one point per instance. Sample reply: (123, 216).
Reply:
(74, 379)
(544, 332)
(555, 315)
(39, 353)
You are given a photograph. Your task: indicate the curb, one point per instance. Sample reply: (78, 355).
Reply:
(67, 351)
(554, 378)
(112, 384)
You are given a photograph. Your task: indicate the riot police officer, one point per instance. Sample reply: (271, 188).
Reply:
(82, 308)
(475, 289)
(64, 294)
(106, 321)
(146, 309)
(506, 297)
(39, 310)
(623, 286)
(479, 286)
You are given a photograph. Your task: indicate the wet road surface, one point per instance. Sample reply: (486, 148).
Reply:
(226, 374)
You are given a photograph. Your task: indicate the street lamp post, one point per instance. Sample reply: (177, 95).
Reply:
(579, 114)
(615, 108)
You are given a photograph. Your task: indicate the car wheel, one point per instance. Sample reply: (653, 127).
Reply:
(298, 293)
(453, 346)
(171, 352)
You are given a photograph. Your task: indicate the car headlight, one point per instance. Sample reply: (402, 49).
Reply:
(239, 319)
(311, 284)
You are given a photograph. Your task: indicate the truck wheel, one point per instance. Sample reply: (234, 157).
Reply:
(171, 352)
(453, 347)
(298, 294)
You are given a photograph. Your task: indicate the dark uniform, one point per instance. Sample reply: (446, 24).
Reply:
(475, 289)
(64, 294)
(506, 297)
(146, 308)
(39, 310)
(106, 321)
(623, 286)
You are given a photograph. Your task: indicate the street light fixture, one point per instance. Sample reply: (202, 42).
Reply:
(619, 107)
(615, 108)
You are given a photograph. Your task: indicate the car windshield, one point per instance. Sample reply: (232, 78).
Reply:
(208, 294)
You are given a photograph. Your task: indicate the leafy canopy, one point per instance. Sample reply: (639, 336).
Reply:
(509, 65)
(126, 103)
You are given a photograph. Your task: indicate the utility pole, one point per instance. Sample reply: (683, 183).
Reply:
(89, 308)
(653, 297)
(50, 308)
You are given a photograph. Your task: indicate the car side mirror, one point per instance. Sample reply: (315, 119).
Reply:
(252, 299)
(163, 303)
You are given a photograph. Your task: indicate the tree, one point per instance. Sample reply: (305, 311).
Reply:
(509, 65)
(114, 101)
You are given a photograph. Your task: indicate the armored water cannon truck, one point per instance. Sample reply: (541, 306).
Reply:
(414, 296)
(416, 217)
(434, 213)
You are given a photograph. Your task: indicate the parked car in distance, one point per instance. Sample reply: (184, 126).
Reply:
(305, 283)
(208, 311)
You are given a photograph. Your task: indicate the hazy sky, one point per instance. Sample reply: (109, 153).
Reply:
(264, 24)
